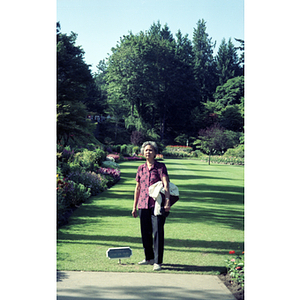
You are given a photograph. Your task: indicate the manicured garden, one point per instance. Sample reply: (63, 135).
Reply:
(204, 225)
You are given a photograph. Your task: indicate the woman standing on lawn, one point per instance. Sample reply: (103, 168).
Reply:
(152, 227)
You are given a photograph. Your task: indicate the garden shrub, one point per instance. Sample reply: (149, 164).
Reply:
(100, 156)
(110, 164)
(88, 159)
(69, 195)
(198, 153)
(123, 149)
(79, 193)
(237, 151)
(112, 175)
(95, 182)
(78, 177)
(116, 148)
(136, 150)
(73, 167)
(91, 147)
(67, 153)
(129, 149)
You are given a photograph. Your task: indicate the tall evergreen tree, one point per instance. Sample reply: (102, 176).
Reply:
(242, 56)
(227, 62)
(73, 79)
(204, 63)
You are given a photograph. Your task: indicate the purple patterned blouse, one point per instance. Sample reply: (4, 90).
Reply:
(146, 178)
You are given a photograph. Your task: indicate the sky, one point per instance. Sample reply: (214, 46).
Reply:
(100, 23)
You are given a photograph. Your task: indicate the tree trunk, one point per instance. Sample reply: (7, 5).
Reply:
(163, 124)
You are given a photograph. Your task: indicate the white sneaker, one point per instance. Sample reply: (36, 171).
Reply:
(146, 262)
(156, 267)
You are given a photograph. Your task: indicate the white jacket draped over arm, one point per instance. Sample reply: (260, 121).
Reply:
(155, 190)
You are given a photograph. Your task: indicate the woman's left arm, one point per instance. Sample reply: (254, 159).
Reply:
(165, 181)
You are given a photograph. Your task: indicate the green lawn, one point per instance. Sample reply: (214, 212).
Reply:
(204, 225)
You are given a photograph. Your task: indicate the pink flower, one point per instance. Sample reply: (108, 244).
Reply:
(233, 260)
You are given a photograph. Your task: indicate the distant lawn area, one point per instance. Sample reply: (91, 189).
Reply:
(204, 225)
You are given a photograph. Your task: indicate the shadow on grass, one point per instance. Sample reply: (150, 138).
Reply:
(200, 202)
(223, 217)
(210, 204)
(181, 245)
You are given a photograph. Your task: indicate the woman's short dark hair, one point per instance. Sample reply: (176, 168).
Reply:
(149, 143)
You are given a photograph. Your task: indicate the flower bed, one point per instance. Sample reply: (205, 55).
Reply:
(69, 196)
(179, 147)
(92, 180)
(115, 173)
(235, 268)
(186, 152)
(111, 174)
(218, 159)
(176, 151)
(80, 175)
(234, 279)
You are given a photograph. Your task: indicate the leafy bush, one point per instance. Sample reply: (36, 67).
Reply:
(79, 194)
(110, 164)
(116, 148)
(67, 153)
(100, 156)
(123, 149)
(129, 149)
(62, 188)
(69, 195)
(237, 151)
(64, 154)
(181, 139)
(136, 149)
(112, 175)
(88, 160)
(77, 179)
(95, 182)
(198, 153)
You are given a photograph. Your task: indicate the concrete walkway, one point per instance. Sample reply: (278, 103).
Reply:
(108, 285)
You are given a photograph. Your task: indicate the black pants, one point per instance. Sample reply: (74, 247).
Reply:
(151, 224)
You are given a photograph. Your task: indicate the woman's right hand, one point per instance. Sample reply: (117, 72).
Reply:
(134, 213)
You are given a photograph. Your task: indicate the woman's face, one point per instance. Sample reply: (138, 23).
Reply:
(149, 152)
